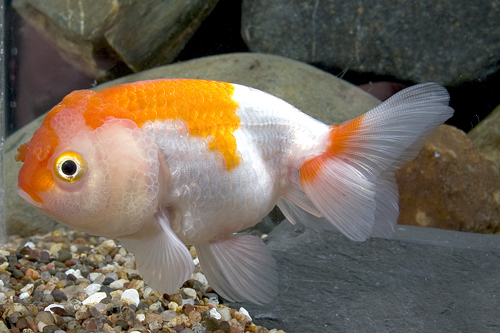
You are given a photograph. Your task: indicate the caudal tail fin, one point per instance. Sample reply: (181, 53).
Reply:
(352, 184)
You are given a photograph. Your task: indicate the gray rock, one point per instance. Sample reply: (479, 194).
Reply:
(424, 280)
(95, 35)
(442, 41)
(486, 136)
(318, 93)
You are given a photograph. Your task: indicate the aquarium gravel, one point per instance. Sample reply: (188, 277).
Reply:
(69, 281)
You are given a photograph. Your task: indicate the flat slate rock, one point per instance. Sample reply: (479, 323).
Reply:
(448, 42)
(423, 280)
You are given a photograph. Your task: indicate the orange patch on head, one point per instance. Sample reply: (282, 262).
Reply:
(338, 140)
(207, 108)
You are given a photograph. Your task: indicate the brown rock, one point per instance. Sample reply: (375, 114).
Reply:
(450, 185)
(486, 136)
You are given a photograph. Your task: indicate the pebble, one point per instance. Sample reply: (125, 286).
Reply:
(118, 284)
(215, 314)
(92, 288)
(94, 298)
(101, 292)
(131, 296)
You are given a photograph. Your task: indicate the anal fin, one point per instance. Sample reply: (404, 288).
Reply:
(240, 268)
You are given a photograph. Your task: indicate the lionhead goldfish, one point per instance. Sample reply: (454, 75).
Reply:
(163, 163)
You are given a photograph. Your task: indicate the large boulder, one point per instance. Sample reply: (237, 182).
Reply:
(448, 42)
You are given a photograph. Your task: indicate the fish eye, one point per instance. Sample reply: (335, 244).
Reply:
(69, 166)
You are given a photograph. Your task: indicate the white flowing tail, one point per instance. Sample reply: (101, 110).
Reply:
(352, 184)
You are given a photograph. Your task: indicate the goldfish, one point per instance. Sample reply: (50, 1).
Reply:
(161, 164)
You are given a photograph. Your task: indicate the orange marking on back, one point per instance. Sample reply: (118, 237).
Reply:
(206, 106)
(338, 139)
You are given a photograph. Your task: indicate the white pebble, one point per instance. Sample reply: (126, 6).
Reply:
(155, 306)
(141, 317)
(91, 289)
(225, 314)
(189, 292)
(41, 325)
(118, 284)
(188, 301)
(51, 306)
(5, 253)
(94, 299)
(215, 314)
(245, 312)
(96, 277)
(31, 245)
(130, 296)
(73, 248)
(196, 261)
(24, 295)
(75, 272)
(3, 297)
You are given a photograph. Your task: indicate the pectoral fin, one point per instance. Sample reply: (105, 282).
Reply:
(163, 261)
(240, 268)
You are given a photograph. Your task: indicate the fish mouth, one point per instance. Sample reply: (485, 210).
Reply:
(31, 198)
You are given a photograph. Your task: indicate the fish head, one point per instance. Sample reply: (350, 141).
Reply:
(98, 176)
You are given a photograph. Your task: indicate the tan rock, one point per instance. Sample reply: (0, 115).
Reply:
(486, 136)
(450, 185)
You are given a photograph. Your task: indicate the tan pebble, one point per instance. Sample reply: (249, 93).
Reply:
(194, 316)
(50, 265)
(235, 330)
(34, 275)
(107, 328)
(251, 328)
(192, 250)
(236, 324)
(55, 248)
(201, 308)
(179, 320)
(137, 285)
(150, 317)
(173, 306)
(239, 316)
(177, 298)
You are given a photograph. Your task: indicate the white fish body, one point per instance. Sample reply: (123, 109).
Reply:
(164, 163)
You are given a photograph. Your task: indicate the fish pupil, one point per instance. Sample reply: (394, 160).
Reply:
(69, 168)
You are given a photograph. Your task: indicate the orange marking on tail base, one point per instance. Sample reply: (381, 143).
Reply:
(338, 141)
